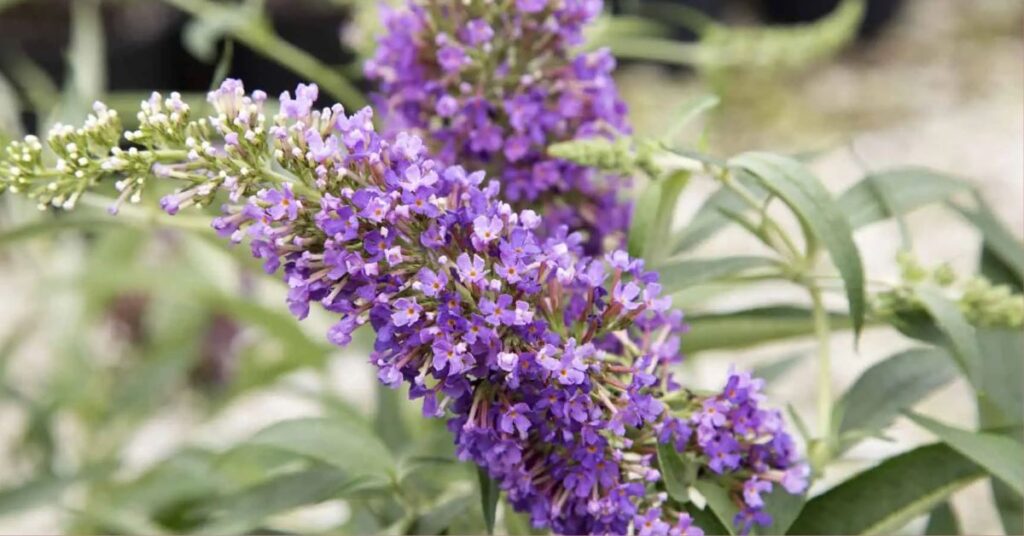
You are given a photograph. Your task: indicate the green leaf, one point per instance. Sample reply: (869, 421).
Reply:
(952, 323)
(652, 218)
(943, 521)
(86, 61)
(894, 192)
(43, 490)
(745, 328)
(389, 422)
(223, 68)
(1002, 405)
(439, 518)
(489, 495)
(891, 386)
(719, 503)
(1001, 411)
(709, 219)
(348, 446)
(707, 520)
(677, 474)
(247, 509)
(684, 273)
(1001, 456)
(819, 213)
(772, 371)
(10, 112)
(1001, 241)
(689, 111)
(784, 507)
(889, 495)
(998, 272)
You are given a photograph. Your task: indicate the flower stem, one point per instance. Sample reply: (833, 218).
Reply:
(822, 333)
(259, 37)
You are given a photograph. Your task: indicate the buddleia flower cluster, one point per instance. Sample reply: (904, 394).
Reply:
(550, 366)
(489, 84)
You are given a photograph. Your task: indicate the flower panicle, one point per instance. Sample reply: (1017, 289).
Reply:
(551, 366)
(491, 84)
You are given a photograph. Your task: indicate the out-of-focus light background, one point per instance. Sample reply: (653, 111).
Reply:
(122, 345)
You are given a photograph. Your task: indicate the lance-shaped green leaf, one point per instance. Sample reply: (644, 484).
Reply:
(819, 214)
(679, 274)
(889, 495)
(350, 447)
(719, 503)
(895, 192)
(891, 386)
(1001, 456)
(772, 371)
(942, 521)
(489, 494)
(653, 217)
(709, 218)
(1000, 240)
(1001, 412)
(784, 508)
(676, 473)
(242, 511)
(748, 327)
(707, 520)
(961, 335)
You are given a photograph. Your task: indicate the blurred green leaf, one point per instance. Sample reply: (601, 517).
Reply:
(389, 422)
(439, 518)
(10, 111)
(47, 226)
(43, 490)
(1000, 240)
(1002, 405)
(706, 520)
(952, 323)
(772, 371)
(223, 68)
(489, 494)
(998, 272)
(86, 61)
(784, 507)
(1001, 456)
(348, 446)
(891, 386)
(689, 111)
(1001, 411)
(744, 328)
(652, 218)
(889, 495)
(897, 191)
(680, 274)
(942, 521)
(719, 503)
(709, 220)
(248, 509)
(808, 198)
(676, 473)
(294, 350)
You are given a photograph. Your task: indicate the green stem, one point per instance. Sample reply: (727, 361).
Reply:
(654, 49)
(782, 242)
(822, 334)
(263, 40)
(145, 215)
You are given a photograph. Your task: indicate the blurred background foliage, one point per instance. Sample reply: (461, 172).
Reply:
(151, 382)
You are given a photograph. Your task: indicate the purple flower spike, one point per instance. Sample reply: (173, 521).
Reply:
(466, 66)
